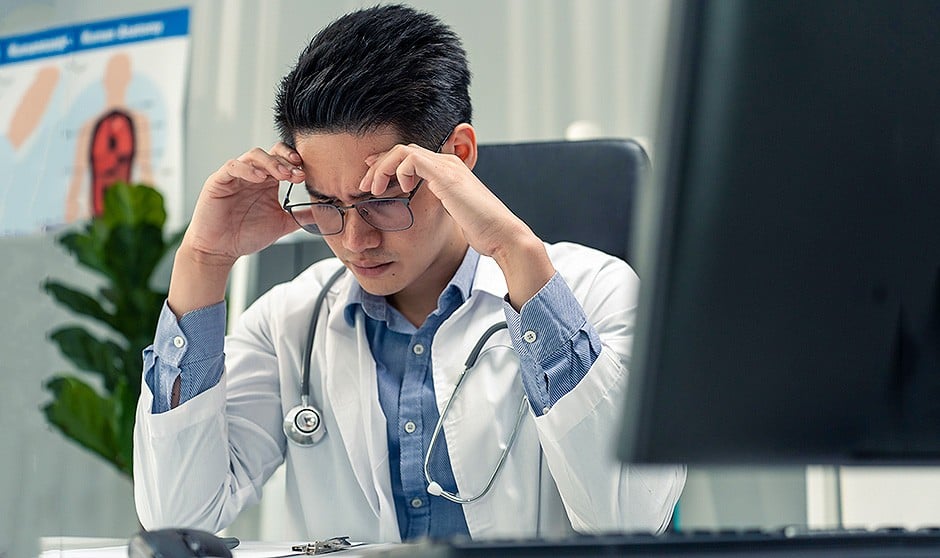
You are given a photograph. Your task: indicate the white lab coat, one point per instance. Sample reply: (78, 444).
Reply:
(198, 465)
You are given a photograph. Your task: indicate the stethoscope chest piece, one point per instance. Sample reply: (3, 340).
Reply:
(303, 425)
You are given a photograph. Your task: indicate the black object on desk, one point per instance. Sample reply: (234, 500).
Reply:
(179, 543)
(789, 307)
(893, 543)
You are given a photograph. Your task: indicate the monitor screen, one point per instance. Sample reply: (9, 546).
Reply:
(789, 245)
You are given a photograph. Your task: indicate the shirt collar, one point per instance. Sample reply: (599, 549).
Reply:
(377, 308)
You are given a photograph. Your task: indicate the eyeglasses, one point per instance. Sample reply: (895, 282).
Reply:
(384, 214)
(324, 219)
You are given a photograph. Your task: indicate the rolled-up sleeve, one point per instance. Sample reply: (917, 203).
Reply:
(190, 349)
(555, 342)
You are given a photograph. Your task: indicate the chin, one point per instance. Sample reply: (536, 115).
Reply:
(379, 286)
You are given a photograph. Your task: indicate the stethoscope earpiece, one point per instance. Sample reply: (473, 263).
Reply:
(435, 489)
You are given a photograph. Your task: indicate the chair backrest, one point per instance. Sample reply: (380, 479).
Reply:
(579, 191)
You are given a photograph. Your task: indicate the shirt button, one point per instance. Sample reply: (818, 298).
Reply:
(418, 349)
(178, 341)
(529, 336)
(416, 502)
(545, 410)
(410, 427)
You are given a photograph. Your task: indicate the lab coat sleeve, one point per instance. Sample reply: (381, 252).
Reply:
(577, 434)
(200, 464)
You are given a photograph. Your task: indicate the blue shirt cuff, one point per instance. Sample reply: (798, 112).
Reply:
(556, 344)
(190, 348)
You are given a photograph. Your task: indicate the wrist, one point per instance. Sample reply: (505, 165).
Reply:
(526, 267)
(190, 254)
(198, 280)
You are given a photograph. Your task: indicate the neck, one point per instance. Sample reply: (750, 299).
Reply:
(419, 300)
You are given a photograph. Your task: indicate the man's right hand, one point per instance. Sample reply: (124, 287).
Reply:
(238, 213)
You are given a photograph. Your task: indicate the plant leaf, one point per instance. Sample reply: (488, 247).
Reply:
(125, 400)
(84, 416)
(129, 204)
(136, 312)
(86, 249)
(132, 252)
(105, 358)
(78, 301)
(125, 245)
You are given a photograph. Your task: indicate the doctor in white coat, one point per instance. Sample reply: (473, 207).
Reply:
(375, 121)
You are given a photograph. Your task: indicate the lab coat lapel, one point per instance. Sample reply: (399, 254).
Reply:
(480, 421)
(352, 388)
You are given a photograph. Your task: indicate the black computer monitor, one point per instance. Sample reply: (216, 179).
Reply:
(789, 246)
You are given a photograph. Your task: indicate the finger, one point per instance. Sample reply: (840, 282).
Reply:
(295, 172)
(276, 166)
(365, 185)
(374, 180)
(288, 154)
(383, 168)
(236, 169)
(380, 179)
(407, 174)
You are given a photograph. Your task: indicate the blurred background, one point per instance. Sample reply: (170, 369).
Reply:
(542, 69)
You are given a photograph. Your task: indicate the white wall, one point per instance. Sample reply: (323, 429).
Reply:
(876, 497)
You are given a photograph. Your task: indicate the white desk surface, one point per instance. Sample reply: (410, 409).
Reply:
(82, 547)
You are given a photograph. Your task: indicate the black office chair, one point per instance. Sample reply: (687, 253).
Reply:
(580, 191)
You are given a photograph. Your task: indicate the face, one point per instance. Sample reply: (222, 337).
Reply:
(407, 266)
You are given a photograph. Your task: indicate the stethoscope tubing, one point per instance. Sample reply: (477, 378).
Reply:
(306, 439)
(303, 424)
(434, 488)
(311, 333)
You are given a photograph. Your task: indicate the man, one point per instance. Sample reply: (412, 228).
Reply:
(375, 118)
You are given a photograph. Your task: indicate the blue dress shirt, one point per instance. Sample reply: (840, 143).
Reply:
(556, 348)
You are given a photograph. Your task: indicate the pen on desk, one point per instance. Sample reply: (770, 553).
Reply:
(325, 547)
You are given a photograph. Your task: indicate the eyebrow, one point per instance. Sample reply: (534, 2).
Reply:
(361, 196)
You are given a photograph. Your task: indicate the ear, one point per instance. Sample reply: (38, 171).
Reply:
(463, 142)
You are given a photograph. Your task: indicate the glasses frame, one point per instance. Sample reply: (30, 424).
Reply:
(405, 200)
(342, 209)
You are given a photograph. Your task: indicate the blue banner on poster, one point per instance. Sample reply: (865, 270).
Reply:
(110, 33)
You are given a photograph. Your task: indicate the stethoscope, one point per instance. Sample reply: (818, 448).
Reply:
(434, 488)
(303, 424)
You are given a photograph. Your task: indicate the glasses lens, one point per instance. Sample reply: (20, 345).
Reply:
(386, 214)
(318, 218)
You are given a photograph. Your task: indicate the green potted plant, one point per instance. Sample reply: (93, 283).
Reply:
(124, 246)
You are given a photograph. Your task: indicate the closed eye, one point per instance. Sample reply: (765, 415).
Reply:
(383, 202)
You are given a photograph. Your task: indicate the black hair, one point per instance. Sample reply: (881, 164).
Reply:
(380, 66)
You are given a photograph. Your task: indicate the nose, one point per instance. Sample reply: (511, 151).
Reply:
(358, 235)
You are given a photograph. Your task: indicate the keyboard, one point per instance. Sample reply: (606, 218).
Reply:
(883, 543)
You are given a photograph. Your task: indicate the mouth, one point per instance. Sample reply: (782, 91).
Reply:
(369, 269)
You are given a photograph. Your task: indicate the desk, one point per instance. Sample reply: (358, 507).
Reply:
(85, 547)
(753, 544)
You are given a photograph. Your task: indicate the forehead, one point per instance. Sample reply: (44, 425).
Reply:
(334, 163)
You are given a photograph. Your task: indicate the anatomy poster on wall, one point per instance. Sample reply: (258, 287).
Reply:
(85, 106)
